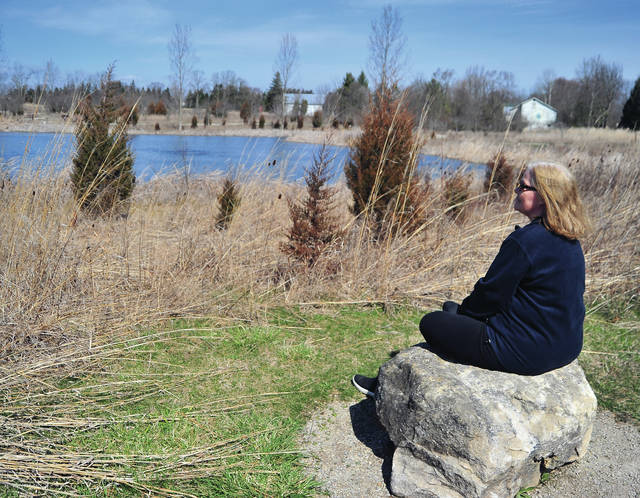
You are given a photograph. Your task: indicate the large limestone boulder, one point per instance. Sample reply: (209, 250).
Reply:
(461, 431)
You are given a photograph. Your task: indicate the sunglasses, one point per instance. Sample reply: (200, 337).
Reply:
(521, 187)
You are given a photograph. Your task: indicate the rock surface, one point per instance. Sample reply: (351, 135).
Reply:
(462, 431)
(350, 454)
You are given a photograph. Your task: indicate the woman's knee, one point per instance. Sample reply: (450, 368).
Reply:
(429, 324)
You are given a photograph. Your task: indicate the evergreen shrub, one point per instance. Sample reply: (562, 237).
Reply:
(313, 226)
(456, 192)
(381, 165)
(245, 112)
(316, 121)
(631, 110)
(228, 202)
(102, 178)
(499, 176)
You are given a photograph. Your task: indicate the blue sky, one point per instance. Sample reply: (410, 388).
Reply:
(524, 37)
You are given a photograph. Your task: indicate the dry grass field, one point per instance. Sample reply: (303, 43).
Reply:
(72, 287)
(63, 278)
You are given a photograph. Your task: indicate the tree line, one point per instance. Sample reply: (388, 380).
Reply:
(595, 97)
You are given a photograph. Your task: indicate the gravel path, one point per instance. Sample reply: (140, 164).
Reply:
(350, 453)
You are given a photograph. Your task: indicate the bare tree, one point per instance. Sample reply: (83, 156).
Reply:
(566, 93)
(181, 59)
(285, 63)
(436, 95)
(18, 86)
(224, 86)
(601, 86)
(46, 80)
(20, 78)
(544, 85)
(479, 97)
(197, 84)
(387, 58)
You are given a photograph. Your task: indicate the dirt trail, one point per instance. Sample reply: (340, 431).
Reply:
(351, 454)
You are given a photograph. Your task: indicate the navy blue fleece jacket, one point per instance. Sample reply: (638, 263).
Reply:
(532, 300)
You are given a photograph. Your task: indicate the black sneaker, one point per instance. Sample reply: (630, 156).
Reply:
(366, 385)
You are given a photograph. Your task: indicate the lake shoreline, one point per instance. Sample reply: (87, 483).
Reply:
(57, 125)
(469, 146)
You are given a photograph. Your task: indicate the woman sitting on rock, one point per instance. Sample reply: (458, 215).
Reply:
(526, 314)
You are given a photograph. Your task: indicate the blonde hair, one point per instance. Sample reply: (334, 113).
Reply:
(564, 213)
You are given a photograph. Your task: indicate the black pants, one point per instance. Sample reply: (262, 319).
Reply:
(458, 337)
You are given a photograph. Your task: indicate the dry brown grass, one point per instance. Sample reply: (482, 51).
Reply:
(553, 144)
(64, 283)
(73, 291)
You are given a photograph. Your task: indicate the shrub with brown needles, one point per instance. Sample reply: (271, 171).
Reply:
(455, 191)
(499, 176)
(313, 227)
(228, 202)
(382, 162)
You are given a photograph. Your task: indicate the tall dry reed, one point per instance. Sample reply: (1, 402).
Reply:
(66, 283)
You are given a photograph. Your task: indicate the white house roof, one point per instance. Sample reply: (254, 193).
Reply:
(538, 101)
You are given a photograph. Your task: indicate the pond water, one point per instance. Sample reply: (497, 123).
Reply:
(163, 154)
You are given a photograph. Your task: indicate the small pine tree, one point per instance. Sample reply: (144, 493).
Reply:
(274, 93)
(499, 176)
(316, 121)
(228, 202)
(455, 190)
(245, 112)
(313, 227)
(157, 108)
(206, 121)
(261, 121)
(130, 113)
(194, 122)
(157, 127)
(381, 161)
(300, 122)
(102, 178)
(631, 110)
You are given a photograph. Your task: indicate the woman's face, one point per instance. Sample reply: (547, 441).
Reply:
(527, 201)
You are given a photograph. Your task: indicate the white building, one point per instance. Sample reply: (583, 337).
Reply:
(314, 102)
(533, 112)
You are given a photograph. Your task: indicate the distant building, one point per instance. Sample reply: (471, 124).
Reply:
(532, 112)
(314, 102)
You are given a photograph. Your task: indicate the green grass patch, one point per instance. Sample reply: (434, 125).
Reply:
(611, 361)
(210, 409)
(215, 410)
